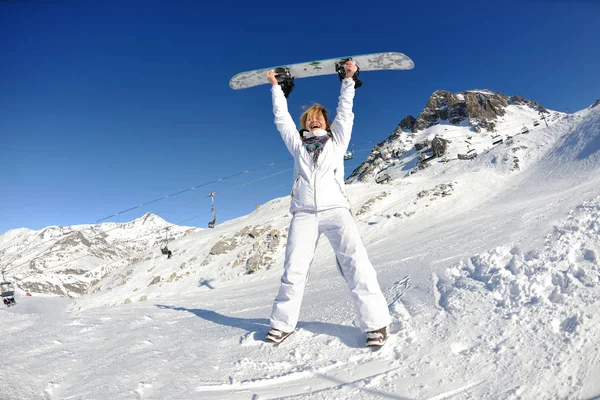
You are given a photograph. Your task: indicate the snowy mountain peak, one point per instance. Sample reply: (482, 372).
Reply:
(58, 260)
(480, 107)
(453, 126)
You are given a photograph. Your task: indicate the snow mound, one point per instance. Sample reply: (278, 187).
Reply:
(561, 280)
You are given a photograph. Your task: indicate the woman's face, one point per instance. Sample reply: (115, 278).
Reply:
(315, 122)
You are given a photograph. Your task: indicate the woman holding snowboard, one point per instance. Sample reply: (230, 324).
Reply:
(319, 205)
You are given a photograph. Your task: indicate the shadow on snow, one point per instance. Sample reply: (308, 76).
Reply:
(349, 335)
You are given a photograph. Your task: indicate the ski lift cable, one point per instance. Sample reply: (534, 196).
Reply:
(226, 205)
(233, 203)
(192, 188)
(222, 191)
(254, 181)
(204, 184)
(161, 212)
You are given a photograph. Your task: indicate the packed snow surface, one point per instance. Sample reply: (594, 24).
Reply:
(502, 300)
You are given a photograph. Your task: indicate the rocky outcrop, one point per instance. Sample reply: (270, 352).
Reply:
(478, 105)
(408, 123)
(383, 154)
(255, 247)
(478, 108)
(74, 256)
(261, 254)
(366, 207)
(516, 100)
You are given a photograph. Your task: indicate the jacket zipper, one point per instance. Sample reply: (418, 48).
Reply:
(342, 190)
(295, 183)
(315, 188)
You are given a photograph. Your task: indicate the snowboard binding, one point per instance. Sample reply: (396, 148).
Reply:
(285, 80)
(341, 71)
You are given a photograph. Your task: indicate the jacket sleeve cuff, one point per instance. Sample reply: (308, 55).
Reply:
(348, 82)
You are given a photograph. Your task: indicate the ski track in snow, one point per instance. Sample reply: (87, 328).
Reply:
(502, 303)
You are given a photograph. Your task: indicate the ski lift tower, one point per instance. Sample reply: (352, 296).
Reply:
(543, 117)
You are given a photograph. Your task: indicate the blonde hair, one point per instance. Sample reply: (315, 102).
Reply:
(314, 111)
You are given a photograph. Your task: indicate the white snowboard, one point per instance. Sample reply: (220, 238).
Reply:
(367, 62)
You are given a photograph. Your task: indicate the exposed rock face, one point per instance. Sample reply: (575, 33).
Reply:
(439, 146)
(521, 100)
(223, 246)
(383, 154)
(76, 256)
(408, 123)
(366, 207)
(596, 103)
(481, 105)
(479, 108)
(255, 247)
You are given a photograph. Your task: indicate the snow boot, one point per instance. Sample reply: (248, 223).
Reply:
(377, 338)
(276, 336)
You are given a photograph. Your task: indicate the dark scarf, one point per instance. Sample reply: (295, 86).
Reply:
(314, 145)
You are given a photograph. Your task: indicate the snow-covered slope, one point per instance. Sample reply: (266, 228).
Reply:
(57, 260)
(470, 124)
(503, 304)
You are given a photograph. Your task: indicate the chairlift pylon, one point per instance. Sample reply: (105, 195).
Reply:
(212, 223)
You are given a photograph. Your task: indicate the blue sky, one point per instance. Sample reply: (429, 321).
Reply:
(107, 105)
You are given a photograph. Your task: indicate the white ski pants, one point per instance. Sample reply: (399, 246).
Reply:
(340, 228)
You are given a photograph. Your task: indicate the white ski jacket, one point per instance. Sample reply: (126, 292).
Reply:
(317, 187)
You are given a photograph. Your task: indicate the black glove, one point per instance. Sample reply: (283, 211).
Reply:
(341, 71)
(285, 80)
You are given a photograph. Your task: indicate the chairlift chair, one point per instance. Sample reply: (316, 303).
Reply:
(384, 178)
(165, 248)
(536, 122)
(7, 289)
(471, 154)
(212, 223)
(509, 140)
(349, 155)
(497, 140)
(7, 292)
(525, 130)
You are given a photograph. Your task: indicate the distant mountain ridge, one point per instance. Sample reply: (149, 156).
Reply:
(463, 114)
(57, 259)
(122, 263)
(479, 107)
